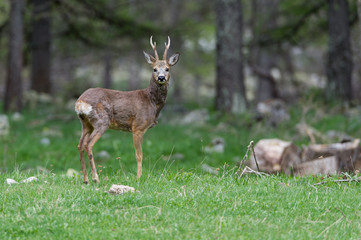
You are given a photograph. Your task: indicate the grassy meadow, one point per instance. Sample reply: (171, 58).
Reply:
(175, 198)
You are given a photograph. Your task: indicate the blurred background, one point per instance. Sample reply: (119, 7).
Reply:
(234, 54)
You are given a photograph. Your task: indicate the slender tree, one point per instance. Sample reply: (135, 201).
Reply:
(339, 62)
(230, 90)
(40, 46)
(359, 16)
(13, 94)
(264, 13)
(108, 60)
(135, 59)
(107, 71)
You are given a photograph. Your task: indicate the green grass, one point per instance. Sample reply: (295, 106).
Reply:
(181, 205)
(176, 199)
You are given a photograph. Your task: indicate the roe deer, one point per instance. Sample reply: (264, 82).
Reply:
(133, 111)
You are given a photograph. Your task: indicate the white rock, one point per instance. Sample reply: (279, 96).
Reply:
(11, 181)
(51, 132)
(29, 180)
(45, 141)
(274, 111)
(120, 189)
(177, 156)
(4, 125)
(217, 145)
(102, 156)
(71, 172)
(16, 117)
(209, 169)
(173, 157)
(196, 117)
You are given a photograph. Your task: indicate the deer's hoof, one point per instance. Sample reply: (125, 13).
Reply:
(85, 182)
(95, 180)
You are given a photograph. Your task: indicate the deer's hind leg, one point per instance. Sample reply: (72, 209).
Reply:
(93, 138)
(85, 134)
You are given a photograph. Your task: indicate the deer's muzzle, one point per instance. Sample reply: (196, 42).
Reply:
(161, 79)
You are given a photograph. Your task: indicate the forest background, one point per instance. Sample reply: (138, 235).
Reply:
(234, 54)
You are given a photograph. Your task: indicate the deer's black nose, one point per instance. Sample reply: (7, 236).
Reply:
(161, 78)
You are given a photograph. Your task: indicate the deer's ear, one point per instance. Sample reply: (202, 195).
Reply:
(150, 59)
(173, 59)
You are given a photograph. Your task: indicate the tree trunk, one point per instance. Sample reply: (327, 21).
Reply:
(108, 66)
(265, 13)
(359, 17)
(339, 62)
(230, 90)
(107, 71)
(172, 19)
(40, 46)
(266, 88)
(13, 94)
(134, 61)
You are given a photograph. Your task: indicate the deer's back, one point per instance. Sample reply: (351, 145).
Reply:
(120, 110)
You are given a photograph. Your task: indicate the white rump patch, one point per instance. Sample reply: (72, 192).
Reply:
(83, 108)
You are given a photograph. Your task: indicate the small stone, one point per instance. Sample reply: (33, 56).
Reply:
(29, 180)
(196, 117)
(173, 157)
(45, 141)
(17, 117)
(274, 111)
(209, 169)
(120, 189)
(217, 146)
(11, 181)
(4, 125)
(177, 156)
(51, 132)
(71, 173)
(102, 156)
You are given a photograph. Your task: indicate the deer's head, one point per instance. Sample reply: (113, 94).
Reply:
(161, 67)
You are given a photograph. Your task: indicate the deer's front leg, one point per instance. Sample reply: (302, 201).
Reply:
(138, 140)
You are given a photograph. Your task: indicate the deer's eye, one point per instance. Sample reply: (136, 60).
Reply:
(155, 70)
(167, 69)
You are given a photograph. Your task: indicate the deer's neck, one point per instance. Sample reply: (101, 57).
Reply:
(158, 93)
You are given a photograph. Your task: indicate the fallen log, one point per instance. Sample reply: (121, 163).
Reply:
(275, 155)
(346, 153)
(328, 165)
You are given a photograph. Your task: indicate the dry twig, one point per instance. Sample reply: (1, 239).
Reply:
(250, 170)
(247, 169)
(340, 180)
(250, 147)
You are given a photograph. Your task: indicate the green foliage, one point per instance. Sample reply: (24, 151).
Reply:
(4, 11)
(300, 21)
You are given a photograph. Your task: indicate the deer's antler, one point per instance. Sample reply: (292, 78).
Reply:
(167, 45)
(153, 46)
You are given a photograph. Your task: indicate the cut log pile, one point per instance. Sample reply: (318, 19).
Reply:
(275, 155)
